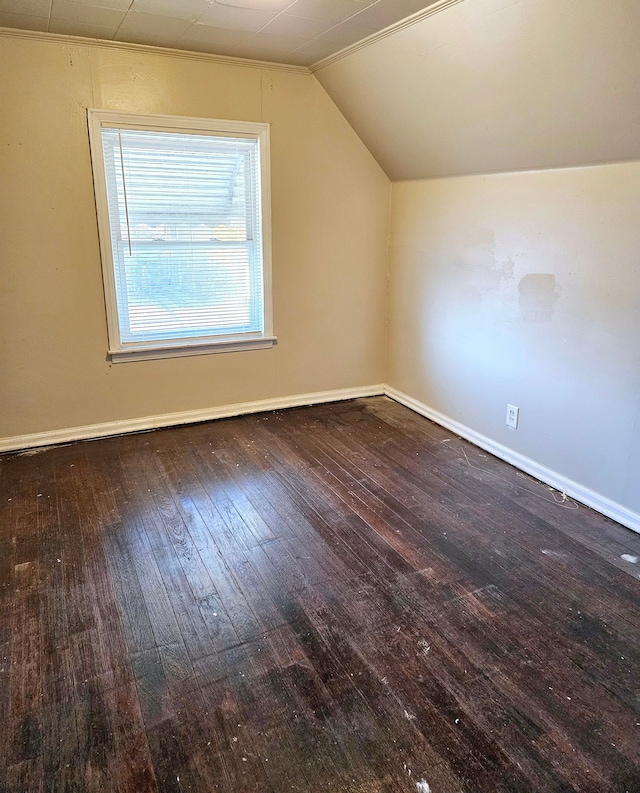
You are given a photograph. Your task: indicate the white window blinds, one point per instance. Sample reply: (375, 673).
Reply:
(184, 213)
(184, 218)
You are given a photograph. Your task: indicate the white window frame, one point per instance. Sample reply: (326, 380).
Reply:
(120, 350)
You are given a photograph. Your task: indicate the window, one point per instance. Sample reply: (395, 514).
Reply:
(184, 222)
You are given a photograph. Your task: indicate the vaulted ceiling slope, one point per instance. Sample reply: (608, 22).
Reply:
(497, 85)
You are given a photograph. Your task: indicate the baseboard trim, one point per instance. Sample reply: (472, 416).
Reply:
(105, 429)
(561, 483)
(573, 489)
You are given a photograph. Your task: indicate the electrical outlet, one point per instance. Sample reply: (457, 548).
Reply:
(513, 413)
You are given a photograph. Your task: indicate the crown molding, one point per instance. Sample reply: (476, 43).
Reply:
(227, 60)
(436, 8)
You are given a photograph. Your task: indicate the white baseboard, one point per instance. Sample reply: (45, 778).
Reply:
(573, 489)
(107, 428)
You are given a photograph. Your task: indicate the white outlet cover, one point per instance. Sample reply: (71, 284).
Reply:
(513, 414)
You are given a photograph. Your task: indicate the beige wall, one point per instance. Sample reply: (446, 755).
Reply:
(524, 288)
(330, 220)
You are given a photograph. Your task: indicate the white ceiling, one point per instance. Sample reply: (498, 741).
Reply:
(497, 85)
(299, 32)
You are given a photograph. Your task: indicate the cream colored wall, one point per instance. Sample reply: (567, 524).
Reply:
(524, 288)
(330, 221)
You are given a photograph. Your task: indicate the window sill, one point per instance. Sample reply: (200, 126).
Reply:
(140, 353)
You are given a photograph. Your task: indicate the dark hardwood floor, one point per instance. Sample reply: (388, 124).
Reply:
(336, 598)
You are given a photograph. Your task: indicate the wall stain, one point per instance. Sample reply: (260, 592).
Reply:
(537, 297)
(483, 277)
(507, 269)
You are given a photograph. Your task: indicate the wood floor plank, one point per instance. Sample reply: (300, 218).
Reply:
(340, 597)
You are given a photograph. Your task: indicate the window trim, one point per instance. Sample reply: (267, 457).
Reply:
(120, 351)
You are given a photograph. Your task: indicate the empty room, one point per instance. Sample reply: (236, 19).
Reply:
(319, 396)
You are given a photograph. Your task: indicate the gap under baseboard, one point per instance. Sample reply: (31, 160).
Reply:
(144, 423)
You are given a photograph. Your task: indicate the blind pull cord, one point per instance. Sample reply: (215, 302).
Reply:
(124, 189)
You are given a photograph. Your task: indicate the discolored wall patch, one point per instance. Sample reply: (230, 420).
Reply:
(537, 297)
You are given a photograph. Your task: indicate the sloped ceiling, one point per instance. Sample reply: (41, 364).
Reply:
(497, 85)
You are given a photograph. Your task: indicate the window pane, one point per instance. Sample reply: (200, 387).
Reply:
(185, 227)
